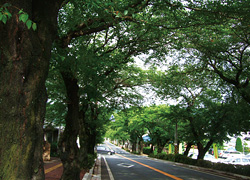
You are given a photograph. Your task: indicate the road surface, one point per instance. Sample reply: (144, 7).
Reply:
(126, 166)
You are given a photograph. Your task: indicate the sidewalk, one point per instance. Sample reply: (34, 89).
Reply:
(53, 169)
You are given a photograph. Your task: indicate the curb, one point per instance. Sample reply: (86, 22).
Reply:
(88, 175)
(95, 172)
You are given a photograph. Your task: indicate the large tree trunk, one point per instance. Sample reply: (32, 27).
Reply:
(189, 145)
(87, 137)
(152, 148)
(161, 144)
(141, 145)
(24, 64)
(202, 150)
(133, 146)
(160, 148)
(83, 136)
(69, 151)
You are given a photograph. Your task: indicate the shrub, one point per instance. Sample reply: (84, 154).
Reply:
(237, 169)
(160, 155)
(90, 161)
(53, 150)
(146, 150)
(238, 145)
(244, 170)
(134, 152)
(152, 155)
(184, 159)
(204, 163)
(170, 157)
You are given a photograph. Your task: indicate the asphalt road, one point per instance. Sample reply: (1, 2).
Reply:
(126, 166)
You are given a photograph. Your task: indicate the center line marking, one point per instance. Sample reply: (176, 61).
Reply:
(157, 170)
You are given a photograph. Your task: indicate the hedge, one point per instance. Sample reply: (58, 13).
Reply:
(237, 169)
(146, 150)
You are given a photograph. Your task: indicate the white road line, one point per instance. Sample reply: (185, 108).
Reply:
(109, 170)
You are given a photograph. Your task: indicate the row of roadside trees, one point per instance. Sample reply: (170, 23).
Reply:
(171, 124)
(78, 56)
(208, 77)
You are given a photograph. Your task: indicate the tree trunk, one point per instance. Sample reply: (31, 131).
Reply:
(159, 148)
(87, 138)
(92, 143)
(202, 150)
(133, 146)
(141, 146)
(151, 149)
(189, 145)
(69, 151)
(161, 144)
(24, 64)
(84, 138)
(92, 127)
(201, 153)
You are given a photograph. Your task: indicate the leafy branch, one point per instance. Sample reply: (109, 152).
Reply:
(4, 13)
(23, 16)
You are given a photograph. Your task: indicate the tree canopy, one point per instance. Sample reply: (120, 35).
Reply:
(87, 48)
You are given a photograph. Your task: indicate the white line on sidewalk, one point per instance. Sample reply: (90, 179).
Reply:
(109, 170)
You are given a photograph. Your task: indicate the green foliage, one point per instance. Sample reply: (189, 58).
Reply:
(175, 158)
(134, 152)
(238, 169)
(4, 13)
(146, 150)
(204, 163)
(56, 107)
(205, 102)
(90, 161)
(97, 39)
(238, 145)
(53, 149)
(23, 16)
(158, 123)
(221, 48)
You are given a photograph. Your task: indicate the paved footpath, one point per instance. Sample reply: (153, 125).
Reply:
(54, 169)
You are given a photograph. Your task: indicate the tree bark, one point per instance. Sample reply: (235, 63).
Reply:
(161, 144)
(24, 64)
(133, 146)
(141, 146)
(202, 150)
(151, 148)
(160, 148)
(69, 151)
(189, 145)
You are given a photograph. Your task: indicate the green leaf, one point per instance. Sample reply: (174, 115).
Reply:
(1, 17)
(6, 5)
(29, 24)
(125, 12)
(20, 12)
(8, 14)
(23, 17)
(34, 26)
(4, 19)
(36, 170)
